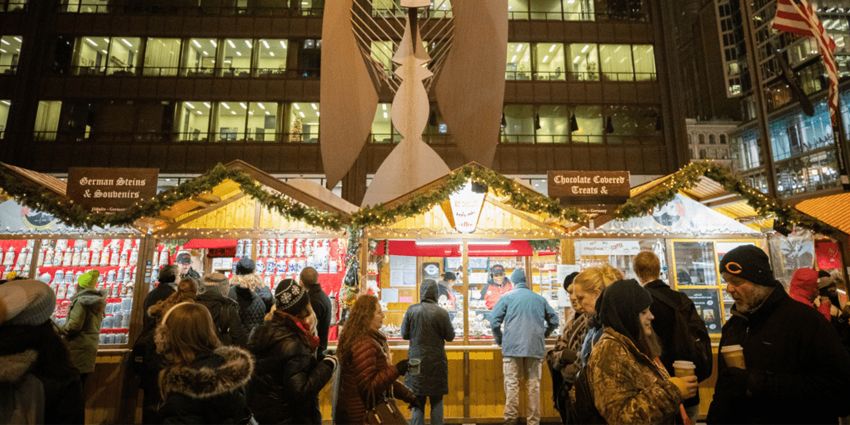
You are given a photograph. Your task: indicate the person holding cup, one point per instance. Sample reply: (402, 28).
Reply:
(628, 382)
(427, 326)
(780, 362)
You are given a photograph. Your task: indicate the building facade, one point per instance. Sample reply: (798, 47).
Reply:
(181, 85)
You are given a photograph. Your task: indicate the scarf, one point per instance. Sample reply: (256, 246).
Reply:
(301, 329)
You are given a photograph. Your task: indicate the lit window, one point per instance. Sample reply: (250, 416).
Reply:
(10, 53)
(271, 59)
(236, 61)
(644, 60)
(551, 124)
(193, 121)
(584, 62)
(549, 61)
(200, 54)
(87, 6)
(519, 62)
(90, 55)
(14, 5)
(518, 124)
(262, 121)
(578, 10)
(304, 122)
(382, 52)
(230, 122)
(546, 9)
(589, 124)
(123, 56)
(616, 62)
(517, 9)
(162, 57)
(382, 129)
(47, 119)
(4, 115)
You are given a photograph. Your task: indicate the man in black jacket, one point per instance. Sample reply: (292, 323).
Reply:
(224, 311)
(796, 370)
(321, 305)
(647, 266)
(167, 285)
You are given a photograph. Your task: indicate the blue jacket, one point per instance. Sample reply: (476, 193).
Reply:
(527, 317)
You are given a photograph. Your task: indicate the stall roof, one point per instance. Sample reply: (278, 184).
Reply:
(46, 181)
(833, 210)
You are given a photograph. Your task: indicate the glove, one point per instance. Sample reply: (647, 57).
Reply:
(332, 360)
(402, 367)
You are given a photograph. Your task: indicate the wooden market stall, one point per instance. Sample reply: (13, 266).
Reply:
(832, 251)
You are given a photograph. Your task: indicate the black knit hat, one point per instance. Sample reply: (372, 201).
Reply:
(183, 258)
(290, 297)
(749, 262)
(168, 274)
(245, 266)
(622, 303)
(568, 280)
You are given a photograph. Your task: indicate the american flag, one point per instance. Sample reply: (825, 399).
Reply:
(798, 17)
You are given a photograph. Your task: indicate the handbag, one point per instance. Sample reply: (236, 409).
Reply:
(385, 412)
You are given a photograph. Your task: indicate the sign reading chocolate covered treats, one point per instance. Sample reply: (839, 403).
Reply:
(109, 190)
(589, 187)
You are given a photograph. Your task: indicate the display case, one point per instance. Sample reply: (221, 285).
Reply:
(61, 262)
(619, 253)
(16, 256)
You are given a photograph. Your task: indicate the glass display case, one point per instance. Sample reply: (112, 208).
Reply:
(619, 253)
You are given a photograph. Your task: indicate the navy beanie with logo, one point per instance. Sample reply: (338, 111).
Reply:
(751, 263)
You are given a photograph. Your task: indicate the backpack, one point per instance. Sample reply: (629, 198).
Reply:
(690, 337)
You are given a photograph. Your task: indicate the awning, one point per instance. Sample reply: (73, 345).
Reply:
(832, 210)
(210, 243)
(428, 249)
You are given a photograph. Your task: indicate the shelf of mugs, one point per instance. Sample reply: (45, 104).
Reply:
(88, 253)
(16, 256)
(274, 257)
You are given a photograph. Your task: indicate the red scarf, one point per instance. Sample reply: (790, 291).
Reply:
(304, 332)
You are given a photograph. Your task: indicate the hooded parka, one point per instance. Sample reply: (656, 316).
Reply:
(427, 326)
(82, 329)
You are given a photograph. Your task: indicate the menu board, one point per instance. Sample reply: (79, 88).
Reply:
(708, 307)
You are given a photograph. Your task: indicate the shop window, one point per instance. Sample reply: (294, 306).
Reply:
(10, 53)
(236, 58)
(518, 124)
(262, 121)
(552, 124)
(579, 10)
(162, 57)
(519, 62)
(5, 105)
(584, 62)
(47, 119)
(199, 56)
(549, 61)
(546, 10)
(616, 62)
(304, 122)
(589, 124)
(644, 62)
(271, 59)
(86, 6)
(382, 129)
(123, 56)
(91, 55)
(230, 121)
(382, 52)
(518, 9)
(193, 121)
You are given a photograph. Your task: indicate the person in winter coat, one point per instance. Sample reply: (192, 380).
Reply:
(366, 372)
(647, 267)
(320, 303)
(186, 291)
(427, 326)
(249, 292)
(38, 382)
(627, 380)
(224, 311)
(589, 285)
(167, 285)
(563, 358)
(288, 377)
(82, 329)
(203, 381)
(796, 370)
(528, 319)
(497, 285)
(184, 264)
(829, 305)
(804, 286)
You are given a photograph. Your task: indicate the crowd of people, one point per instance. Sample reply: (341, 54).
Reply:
(218, 350)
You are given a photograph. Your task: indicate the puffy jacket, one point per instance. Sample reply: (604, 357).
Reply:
(528, 319)
(252, 308)
(628, 387)
(428, 327)
(225, 315)
(366, 371)
(82, 329)
(797, 371)
(160, 293)
(38, 355)
(287, 377)
(209, 391)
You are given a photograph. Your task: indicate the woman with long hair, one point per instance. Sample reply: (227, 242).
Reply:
(203, 382)
(366, 372)
(288, 376)
(187, 291)
(588, 287)
(628, 383)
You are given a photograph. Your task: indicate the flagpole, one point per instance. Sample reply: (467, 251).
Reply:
(843, 155)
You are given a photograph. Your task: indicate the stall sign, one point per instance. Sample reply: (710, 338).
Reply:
(466, 206)
(606, 248)
(589, 187)
(110, 190)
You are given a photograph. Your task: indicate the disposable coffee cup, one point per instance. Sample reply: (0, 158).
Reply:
(683, 368)
(413, 366)
(734, 356)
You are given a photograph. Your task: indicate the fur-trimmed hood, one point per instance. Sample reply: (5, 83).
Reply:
(14, 366)
(227, 369)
